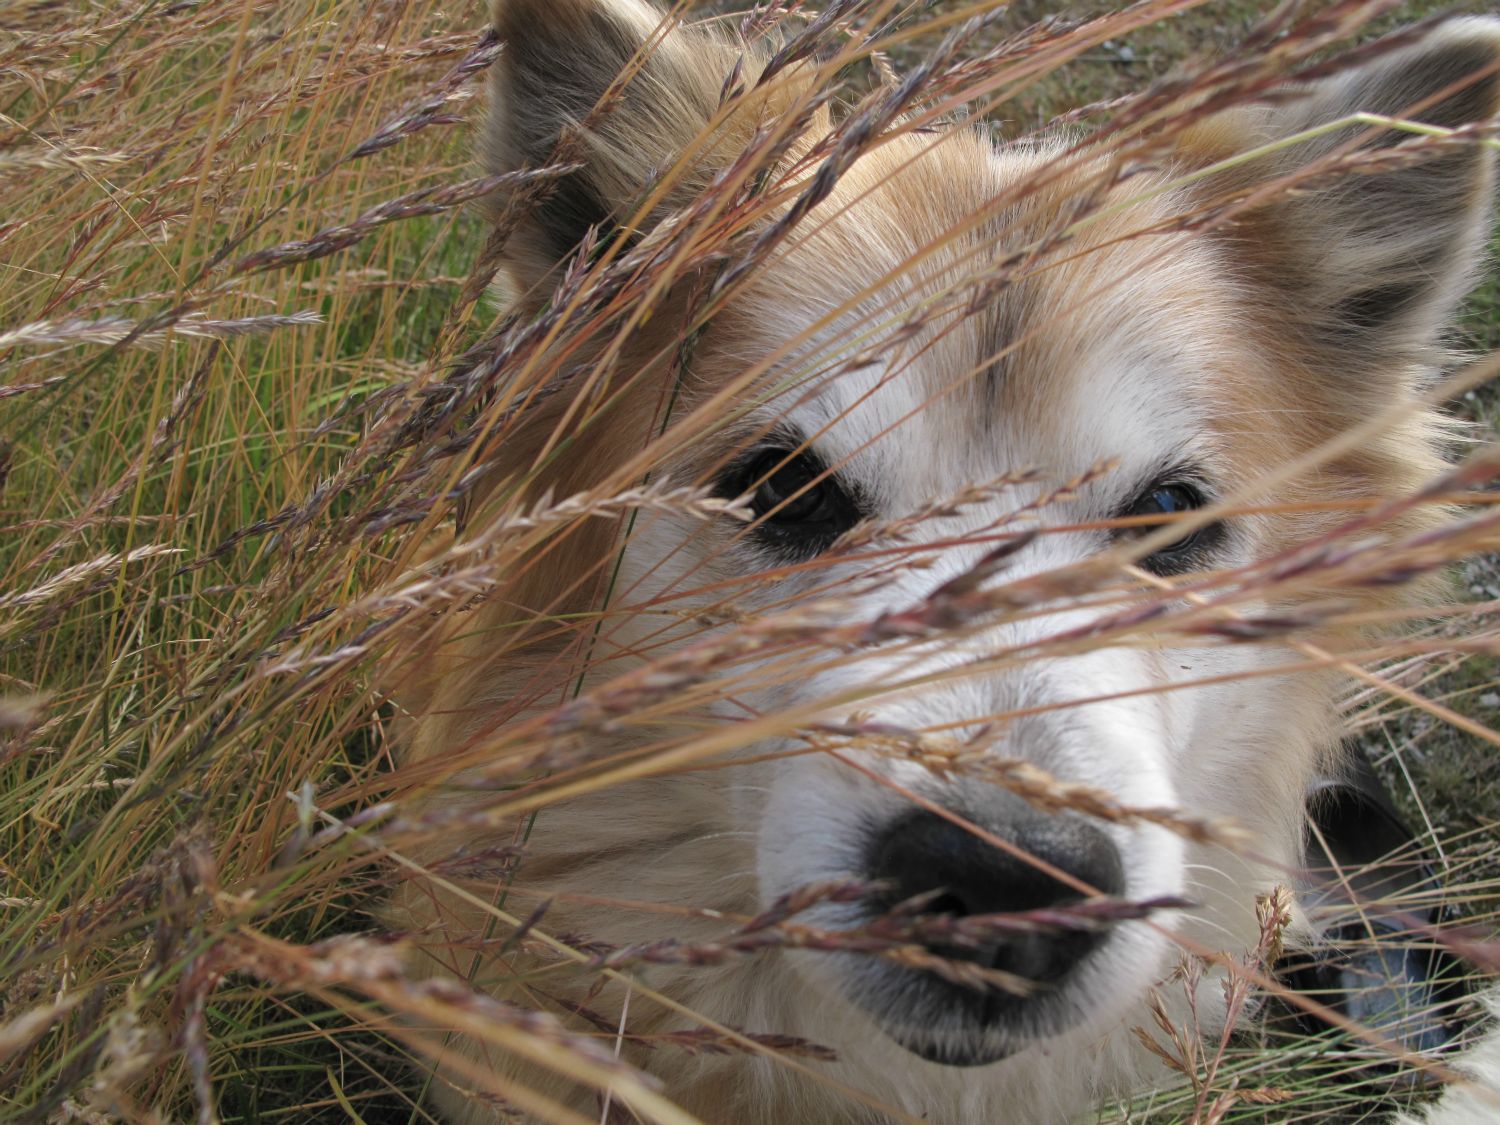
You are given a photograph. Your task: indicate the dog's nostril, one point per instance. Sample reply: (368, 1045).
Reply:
(925, 853)
(947, 903)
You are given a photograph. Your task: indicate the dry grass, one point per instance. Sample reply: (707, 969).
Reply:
(246, 376)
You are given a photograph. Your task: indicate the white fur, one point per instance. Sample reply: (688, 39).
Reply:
(1475, 1100)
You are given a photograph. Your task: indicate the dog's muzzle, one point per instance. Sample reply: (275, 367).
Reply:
(962, 875)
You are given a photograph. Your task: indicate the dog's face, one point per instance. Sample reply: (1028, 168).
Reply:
(949, 313)
(1115, 355)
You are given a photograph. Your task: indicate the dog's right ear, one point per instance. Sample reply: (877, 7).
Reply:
(622, 88)
(1364, 270)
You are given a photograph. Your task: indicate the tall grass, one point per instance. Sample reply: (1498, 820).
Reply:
(247, 384)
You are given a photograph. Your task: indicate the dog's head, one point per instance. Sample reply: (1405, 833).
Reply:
(883, 333)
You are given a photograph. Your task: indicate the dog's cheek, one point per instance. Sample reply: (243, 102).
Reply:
(816, 819)
(664, 562)
(1129, 743)
(1251, 743)
(1252, 735)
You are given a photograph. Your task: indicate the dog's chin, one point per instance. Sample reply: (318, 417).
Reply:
(977, 1042)
(956, 1055)
(951, 1025)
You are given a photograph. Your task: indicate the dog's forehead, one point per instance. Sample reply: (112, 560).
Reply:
(965, 298)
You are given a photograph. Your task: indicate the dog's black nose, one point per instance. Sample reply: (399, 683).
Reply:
(923, 853)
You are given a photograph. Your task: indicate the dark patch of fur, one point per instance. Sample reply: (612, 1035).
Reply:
(562, 59)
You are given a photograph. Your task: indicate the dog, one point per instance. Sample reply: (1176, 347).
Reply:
(1170, 338)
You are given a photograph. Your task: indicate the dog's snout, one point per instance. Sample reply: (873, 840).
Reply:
(924, 853)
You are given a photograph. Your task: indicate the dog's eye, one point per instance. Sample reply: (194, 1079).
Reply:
(789, 490)
(798, 506)
(1167, 499)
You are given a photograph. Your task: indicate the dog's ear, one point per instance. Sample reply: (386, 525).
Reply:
(621, 87)
(1367, 266)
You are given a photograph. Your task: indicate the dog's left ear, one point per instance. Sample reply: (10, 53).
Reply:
(649, 109)
(1367, 266)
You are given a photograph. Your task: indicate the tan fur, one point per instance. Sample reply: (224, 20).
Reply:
(1262, 374)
